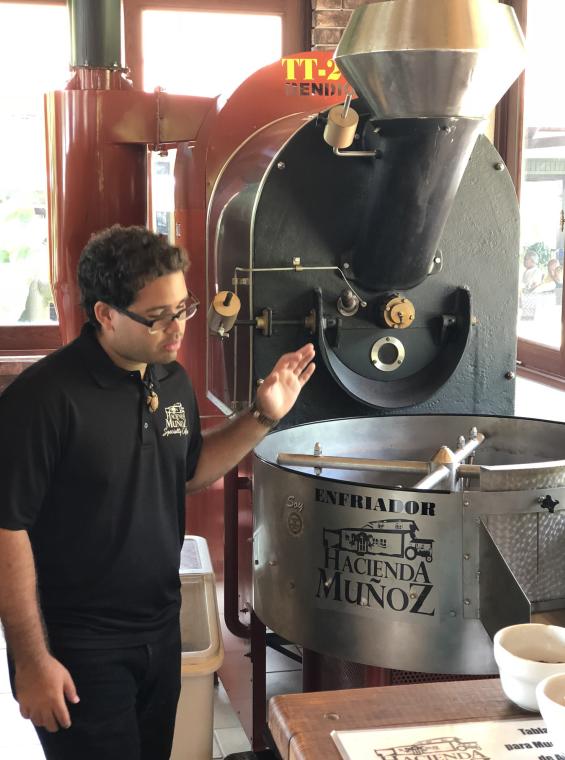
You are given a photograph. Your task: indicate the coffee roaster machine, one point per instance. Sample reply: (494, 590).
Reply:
(399, 514)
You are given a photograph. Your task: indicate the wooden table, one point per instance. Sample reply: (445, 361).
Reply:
(301, 723)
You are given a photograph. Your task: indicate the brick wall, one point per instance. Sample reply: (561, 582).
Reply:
(329, 19)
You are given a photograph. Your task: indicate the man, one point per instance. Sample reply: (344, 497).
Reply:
(97, 444)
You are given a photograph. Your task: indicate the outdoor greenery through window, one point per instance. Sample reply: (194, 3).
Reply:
(34, 57)
(543, 184)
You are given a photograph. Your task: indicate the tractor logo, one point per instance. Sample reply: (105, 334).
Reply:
(433, 749)
(389, 538)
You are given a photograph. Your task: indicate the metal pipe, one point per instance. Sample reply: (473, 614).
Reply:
(96, 33)
(232, 485)
(353, 463)
(433, 479)
(468, 448)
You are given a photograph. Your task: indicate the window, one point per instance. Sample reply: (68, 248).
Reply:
(34, 49)
(196, 53)
(534, 147)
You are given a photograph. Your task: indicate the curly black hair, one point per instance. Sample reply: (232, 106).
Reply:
(118, 262)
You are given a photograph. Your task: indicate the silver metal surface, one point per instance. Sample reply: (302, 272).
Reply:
(517, 476)
(417, 58)
(377, 358)
(359, 565)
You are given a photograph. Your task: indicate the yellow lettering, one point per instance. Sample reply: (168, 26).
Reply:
(309, 68)
(334, 75)
(291, 64)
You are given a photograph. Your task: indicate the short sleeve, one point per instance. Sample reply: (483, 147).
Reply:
(29, 451)
(195, 442)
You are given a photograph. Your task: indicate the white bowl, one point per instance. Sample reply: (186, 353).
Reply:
(525, 655)
(550, 694)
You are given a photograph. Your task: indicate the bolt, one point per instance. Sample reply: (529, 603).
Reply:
(473, 433)
(466, 503)
(466, 556)
(437, 260)
(452, 613)
(296, 261)
(510, 375)
(317, 449)
(346, 265)
(499, 166)
(466, 602)
(281, 165)
(387, 338)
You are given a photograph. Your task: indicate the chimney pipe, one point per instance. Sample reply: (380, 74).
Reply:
(96, 34)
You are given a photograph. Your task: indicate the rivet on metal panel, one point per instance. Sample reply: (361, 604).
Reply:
(331, 716)
(281, 165)
(474, 321)
(273, 562)
(510, 375)
(466, 602)
(413, 595)
(466, 556)
(499, 166)
(452, 613)
(466, 503)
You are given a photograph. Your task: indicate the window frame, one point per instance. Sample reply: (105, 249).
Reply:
(535, 361)
(20, 340)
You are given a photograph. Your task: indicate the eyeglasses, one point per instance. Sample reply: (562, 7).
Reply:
(162, 323)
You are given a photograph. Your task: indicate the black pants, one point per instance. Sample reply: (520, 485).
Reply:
(128, 701)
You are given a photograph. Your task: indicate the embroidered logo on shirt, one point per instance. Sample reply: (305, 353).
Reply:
(175, 420)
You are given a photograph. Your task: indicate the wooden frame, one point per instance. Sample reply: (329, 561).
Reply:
(546, 364)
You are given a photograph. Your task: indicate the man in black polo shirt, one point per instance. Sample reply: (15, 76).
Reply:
(98, 443)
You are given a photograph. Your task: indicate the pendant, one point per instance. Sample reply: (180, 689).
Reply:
(152, 401)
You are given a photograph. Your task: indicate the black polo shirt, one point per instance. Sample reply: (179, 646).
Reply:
(98, 481)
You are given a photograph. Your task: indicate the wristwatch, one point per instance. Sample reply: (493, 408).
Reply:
(268, 422)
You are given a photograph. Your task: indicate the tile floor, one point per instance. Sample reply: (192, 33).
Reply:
(18, 740)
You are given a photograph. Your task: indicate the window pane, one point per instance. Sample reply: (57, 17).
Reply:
(193, 53)
(543, 185)
(34, 56)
